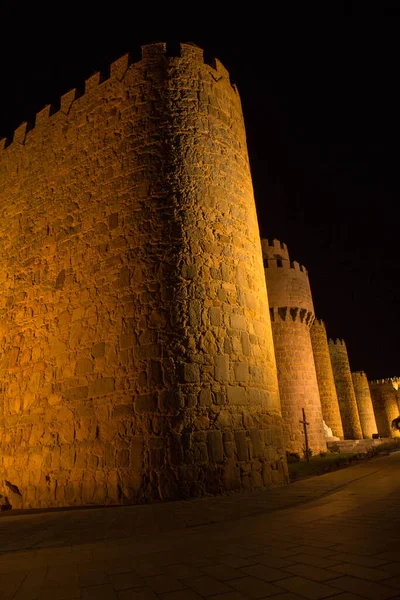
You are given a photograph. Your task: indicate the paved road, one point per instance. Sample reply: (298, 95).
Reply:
(333, 536)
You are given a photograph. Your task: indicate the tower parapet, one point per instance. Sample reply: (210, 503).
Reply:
(292, 314)
(364, 404)
(385, 400)
(345, 390)
(326, 381)
(136, 344)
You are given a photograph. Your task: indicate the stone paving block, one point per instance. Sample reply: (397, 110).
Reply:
(183, 571)
(99, 592)
(230, 596)
(222, 572)
(206, 585)
(366, 589)
(235, 561)
(92, 576)
(366, 561)
(393, 582)
(361, 549)
(391, 567)
(287, 596)
(307, 588)
(313, 550)
(126, 581)
(63, 593)
(181, 595)
(147, 568)
(242, 551)
(345, 596)
(61, 576)
(368, 573)
(388, 555)
(311, 572)
(137, 594)
(161, 584)
(263, 572)
(315, 561)
(10, 582)
(254, 588)
(272, 561)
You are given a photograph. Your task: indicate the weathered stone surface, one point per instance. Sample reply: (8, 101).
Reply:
(326, 381)
(345, 390)
(292, 312)
(364, 404)
(133, 295)
(385, 400)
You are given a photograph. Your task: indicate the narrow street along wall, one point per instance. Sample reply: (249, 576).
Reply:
(345, 390)
(385, 400)
(364, 404)
(326, 382)
(292, 314)
(137, 360)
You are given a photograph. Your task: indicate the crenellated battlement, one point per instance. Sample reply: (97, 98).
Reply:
(150, 53)
(274, 249)
(276, 263)
(287, 313)
(358, 374)
(319, 322)
(388, 380)
(337, 342)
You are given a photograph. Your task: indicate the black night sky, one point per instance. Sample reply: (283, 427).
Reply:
(321, 104)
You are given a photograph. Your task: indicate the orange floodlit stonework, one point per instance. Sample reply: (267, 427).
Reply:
(345, 390)
(385, 400)
(364, 404)
(137, 361)
(326, 382)
(292, 314)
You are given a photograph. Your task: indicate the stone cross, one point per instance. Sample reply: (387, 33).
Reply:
(304, 423)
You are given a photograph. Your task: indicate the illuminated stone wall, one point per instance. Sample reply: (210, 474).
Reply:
(326, 382)
(384, 393)
(137, 360)
(364, 404)
(292, 314)
(345, 390)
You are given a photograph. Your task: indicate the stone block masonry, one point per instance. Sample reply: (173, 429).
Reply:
(292, 314)
(137, 361)
(364, 404)
(345, 390)
(385, 400)
(326, 382)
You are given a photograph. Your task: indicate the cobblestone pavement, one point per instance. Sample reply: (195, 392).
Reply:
(333, 536)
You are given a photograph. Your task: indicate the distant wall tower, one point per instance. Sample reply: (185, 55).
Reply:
(326, 382)
(364, 403)
(292, 314)
(384, 393)
(345, 390)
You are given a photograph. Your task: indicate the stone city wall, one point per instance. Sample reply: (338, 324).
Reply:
(326, 382)
(345, 390)
(292, 314)
(364, 404)
(137, 361)
(384, 393)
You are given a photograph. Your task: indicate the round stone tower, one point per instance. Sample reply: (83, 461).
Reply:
(326, 382)
(384, 393)
(292, 314)
(364, 404)
(345, 390)
(136, 345)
